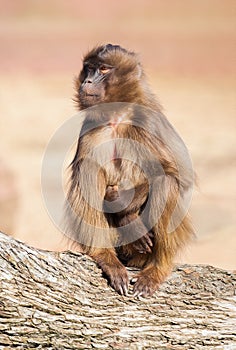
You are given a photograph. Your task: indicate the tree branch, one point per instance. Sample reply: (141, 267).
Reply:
(52, 300)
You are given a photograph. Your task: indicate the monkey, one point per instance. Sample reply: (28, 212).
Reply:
(130, 175)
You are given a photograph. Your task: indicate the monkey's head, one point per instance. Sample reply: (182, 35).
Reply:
(109, 74)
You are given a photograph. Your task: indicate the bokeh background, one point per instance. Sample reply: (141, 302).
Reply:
(188, 49)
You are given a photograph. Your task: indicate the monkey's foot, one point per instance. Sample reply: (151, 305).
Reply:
(144, 244)
(145, 284)
(118, 278)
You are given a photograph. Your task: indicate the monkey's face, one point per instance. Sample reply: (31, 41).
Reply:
(110, 74)
(94, 79)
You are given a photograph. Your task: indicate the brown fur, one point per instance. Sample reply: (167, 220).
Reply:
(155, 248)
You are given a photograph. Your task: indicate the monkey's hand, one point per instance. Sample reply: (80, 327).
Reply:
(113, 269)
(146, 282)
(144, 244)
(117, 277)
(119, 280)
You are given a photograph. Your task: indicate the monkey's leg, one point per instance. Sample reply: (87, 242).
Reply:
(164, 190)
(112, 268)
(130, 214)
(144, 243)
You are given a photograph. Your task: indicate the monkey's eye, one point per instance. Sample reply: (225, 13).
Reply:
(104, 70)
(89, 68)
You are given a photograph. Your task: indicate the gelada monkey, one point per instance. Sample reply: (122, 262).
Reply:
(130, 176)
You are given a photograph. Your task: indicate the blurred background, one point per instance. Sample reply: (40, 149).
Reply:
(188, 50)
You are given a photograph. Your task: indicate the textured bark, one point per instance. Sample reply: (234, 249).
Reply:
(54, 300)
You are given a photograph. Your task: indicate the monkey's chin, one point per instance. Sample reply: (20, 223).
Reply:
(90, 100)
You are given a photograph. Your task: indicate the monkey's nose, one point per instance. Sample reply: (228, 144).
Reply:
(87, 81)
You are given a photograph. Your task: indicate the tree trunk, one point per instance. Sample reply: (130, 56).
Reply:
(55, 300)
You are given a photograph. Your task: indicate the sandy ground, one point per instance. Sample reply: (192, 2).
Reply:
(188, 52)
